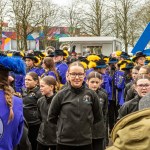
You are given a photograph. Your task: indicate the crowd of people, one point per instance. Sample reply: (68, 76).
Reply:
(61, 101)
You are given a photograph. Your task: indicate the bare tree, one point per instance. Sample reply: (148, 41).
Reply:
(143, 14)
(124, 23)
(95, 18)
(51, 10)
(71, 16)
(3, 14)
(28, 16)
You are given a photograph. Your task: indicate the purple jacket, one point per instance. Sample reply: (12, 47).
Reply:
(10, 134)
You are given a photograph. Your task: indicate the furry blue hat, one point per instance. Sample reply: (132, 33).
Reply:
(14, 64)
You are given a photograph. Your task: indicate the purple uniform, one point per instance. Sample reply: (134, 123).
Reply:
(10, 134)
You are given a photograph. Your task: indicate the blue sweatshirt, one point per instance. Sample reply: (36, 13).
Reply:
(62, 68)
(10, 134)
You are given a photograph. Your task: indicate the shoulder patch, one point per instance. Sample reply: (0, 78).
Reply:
(1, 128)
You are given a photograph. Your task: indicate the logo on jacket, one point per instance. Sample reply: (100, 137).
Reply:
(87, 99)
(32, 95)
(120, 79)
(1, 128)
(101, 100)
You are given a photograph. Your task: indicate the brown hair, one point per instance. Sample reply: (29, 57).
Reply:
(76, 63)
(49, 80)
(147, 68)
(34, 76)
(4, 85)
(136, 67)
(49, 63)
(141, 77)
(94, 74)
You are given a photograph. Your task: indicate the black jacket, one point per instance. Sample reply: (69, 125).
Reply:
(127, 87)
(47, 130)
(24, 142)
(129, 107)
(131, 94)
(103, 99)
(74, 111)
(99, 129)
(30, 99)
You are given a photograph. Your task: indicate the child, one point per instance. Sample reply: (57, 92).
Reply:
(11, 107)
(129, 91)
(47, 132)
(30, 96)
(94, 81)
(75, 109)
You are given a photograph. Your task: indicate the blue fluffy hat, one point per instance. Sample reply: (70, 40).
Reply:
(14, 64)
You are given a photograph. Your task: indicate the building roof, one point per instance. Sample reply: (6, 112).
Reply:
(88, 39)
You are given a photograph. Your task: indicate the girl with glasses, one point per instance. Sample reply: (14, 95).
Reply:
(75, 109)
(142, 86)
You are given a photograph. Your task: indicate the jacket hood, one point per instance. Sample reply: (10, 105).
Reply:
(132, 132)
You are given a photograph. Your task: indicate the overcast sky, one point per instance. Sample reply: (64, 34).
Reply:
(62, 2)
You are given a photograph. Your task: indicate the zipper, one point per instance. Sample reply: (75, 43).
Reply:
(78, 121)
(78, 108)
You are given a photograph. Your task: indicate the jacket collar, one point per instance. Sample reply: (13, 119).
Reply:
(49, 99)
(77, 90)
(35, 89)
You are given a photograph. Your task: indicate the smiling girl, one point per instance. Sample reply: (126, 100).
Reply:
(75, 109)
